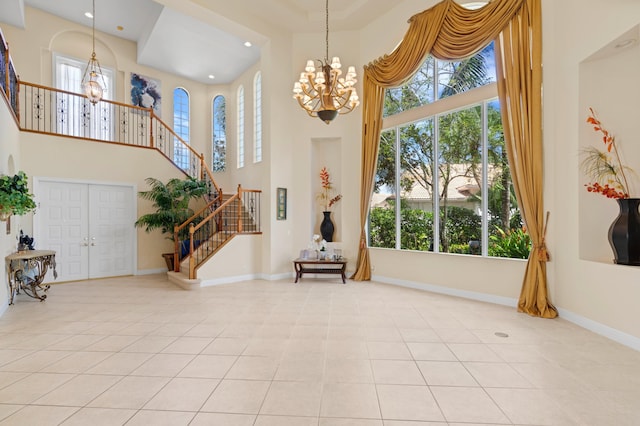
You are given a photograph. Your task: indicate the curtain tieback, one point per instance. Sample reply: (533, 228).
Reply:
(543, 253)
(363, 241)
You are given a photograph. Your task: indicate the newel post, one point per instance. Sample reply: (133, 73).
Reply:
(239, 208)
(176, 253)
(192, 260)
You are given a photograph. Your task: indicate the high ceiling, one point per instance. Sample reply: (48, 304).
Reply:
(198, 38)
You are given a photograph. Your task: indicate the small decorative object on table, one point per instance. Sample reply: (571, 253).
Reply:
(607, 172)
(325, 197)
(25, 242)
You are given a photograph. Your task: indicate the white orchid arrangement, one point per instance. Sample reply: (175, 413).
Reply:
(317, 244)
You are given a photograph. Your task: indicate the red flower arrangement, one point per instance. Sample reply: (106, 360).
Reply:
(327, 187)
(605, 167)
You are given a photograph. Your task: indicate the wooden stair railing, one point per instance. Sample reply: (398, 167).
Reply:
(239, 214)
(8, 78)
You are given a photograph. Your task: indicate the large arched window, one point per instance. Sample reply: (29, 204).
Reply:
(219, 132)
(257, 118)
(181, 127)
(240, 127)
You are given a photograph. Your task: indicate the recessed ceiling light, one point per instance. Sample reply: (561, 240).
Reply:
(88, 15)
(625, 43)
(119, 28)
(211, 76)
(247, 44)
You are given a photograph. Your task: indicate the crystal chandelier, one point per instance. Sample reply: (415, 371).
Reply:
(93, 82)
(322, 92)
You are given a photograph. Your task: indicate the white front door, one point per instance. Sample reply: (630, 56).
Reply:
(90, 226)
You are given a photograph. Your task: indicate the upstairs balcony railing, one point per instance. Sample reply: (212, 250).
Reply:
(8, 76)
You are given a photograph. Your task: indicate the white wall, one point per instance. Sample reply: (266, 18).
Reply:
(9, 165)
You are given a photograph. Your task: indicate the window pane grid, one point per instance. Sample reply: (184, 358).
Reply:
(219, 148)
(257, 118)
(240, 127)
(181, 127)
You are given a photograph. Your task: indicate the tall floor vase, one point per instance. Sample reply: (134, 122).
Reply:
(624, 233)
(326, 227)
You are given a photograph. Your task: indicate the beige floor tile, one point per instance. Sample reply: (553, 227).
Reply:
(396, 372)
(188, 345)
(302, 368)
(161, 418)
(130, 392)
(446, 373)
(106, 328)
(208, 366)
(76, 343)
(253, 368)
(32, 387)
(388, 350)
(35, 361)
(272, 347)
(183, 394)
(237, 396)
(456, 335)
(303, 331)
(348, 371)
(529, 406)
(112, 343)
(342, 332)
(478, 352)
(40, 341)
(139, 329)
(150, 344)
(300, 347)
(400, 402)
(496, 375)
(10, 355)
(9, 377)
(431, 351)
(350, 400)
(99, 417)
(8, 409)
(226, 346)
(172, 330)
(78, 391)
(461, 404)
(163, 365)
(349, 422)
(412, 423)
(205, 330)
(285, 421)
(120, 364)
(77, 362)
(382, 334)
(218, 419)
(39, 415)
(419, 335)
(347, 349)
(293, 399)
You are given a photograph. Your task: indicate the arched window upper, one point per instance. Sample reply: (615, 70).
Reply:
(240, 127)
(219, 131)
(181, 127)
(257, 117)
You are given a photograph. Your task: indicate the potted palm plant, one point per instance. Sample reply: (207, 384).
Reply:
(171, 201)
(15, 198)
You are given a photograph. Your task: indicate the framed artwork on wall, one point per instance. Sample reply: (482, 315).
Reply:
(146, 92)
(281, 203)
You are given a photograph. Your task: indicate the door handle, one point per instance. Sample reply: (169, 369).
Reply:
(85, 243)
(93, 241)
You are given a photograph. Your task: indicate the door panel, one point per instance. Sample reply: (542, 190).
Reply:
(64, 218)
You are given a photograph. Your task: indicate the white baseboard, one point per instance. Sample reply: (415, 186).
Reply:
(151, 271)
(625, 339)
(604, 330)
(4, 307)
(466, 294)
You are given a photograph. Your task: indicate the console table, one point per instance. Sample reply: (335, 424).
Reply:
(317, 266)
(26, 271)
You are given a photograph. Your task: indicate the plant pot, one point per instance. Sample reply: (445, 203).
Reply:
(168, 258)
(4, 216)
(624, 233)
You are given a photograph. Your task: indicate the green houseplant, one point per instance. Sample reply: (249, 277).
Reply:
(171, 202)
(15, 198)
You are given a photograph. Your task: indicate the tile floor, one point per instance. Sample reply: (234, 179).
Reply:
(140, 351)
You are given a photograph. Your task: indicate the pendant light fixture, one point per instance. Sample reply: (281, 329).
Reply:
(93, 82)
(322, 92)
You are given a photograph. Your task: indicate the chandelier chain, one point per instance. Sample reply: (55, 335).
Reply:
(93, 29)
(326, 53)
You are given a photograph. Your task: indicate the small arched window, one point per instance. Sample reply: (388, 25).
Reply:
(240, 127)
(181, 127)
(219, 132)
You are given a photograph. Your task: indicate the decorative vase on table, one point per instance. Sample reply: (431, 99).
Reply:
(326, 227)
(624, 233)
